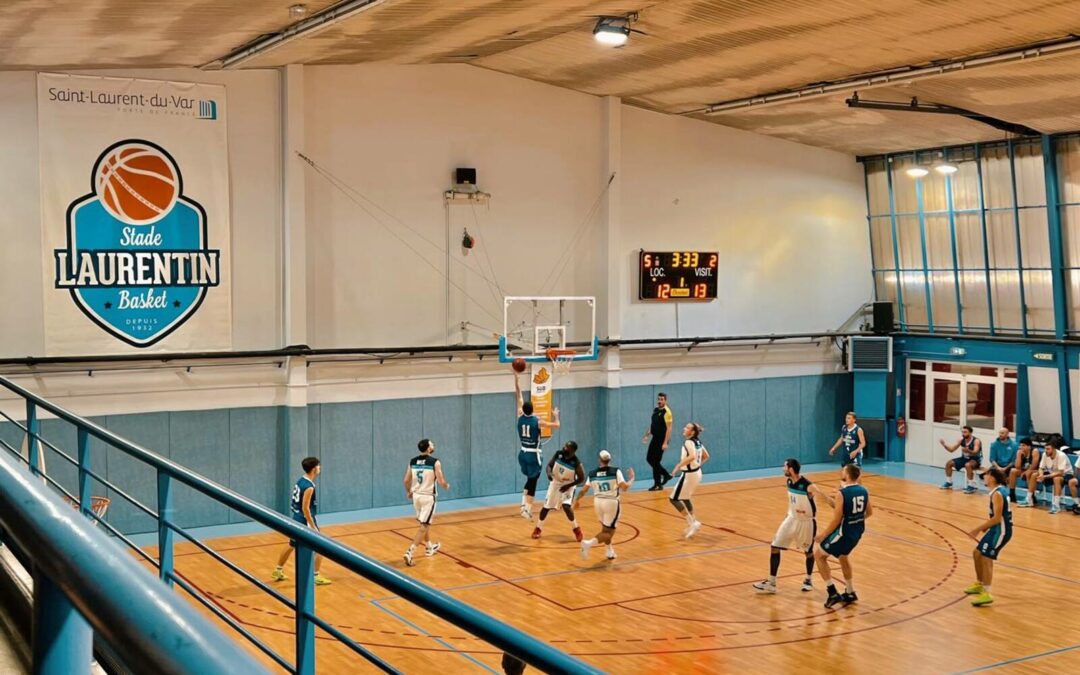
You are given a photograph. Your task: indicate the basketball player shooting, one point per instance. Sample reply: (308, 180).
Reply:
(530, 457)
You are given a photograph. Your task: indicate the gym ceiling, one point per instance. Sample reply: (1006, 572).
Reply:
(775, 67)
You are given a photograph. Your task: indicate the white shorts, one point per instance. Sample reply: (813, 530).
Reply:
(425, 508)
(685, 486)
(795, 534)
(555, 498)
(607, 510)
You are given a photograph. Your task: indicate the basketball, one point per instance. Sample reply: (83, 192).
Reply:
(137, 183)
(519, 365)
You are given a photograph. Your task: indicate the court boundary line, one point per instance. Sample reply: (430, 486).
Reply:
(1019, 659)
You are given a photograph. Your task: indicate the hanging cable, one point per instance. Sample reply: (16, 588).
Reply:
(567, 254)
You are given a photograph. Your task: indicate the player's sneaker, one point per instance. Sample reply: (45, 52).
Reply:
(947, 485)
(654, 488)
(408, 558)
(433, 549)
(278, 575)
(536, 533)
(1075, 509)
(526, 513)
(848, 598)
(1025, 503)
(692, 530)
(1054, 508)
(765, 586)
(807, 585)
(585, 546)
(320, 580)
(970, 490)
(578, 534)
(982, 599)
(833, 600)
(974, 589)
(611, 554)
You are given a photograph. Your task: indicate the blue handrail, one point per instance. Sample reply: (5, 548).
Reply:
(308, 544)
(134, 613)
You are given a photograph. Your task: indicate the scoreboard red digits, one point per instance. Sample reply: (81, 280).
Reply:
(678, 275)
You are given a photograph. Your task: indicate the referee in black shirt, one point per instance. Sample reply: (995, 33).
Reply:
(660, 431)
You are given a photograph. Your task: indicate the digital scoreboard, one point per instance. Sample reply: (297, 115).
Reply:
(677, 275)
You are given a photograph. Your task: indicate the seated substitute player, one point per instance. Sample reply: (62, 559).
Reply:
(693, 456)
(1026, 467)
(608, 483)
(797, 531)
(1003, 451)
(303, 506)
(853, 439)
(530, 456)
(421, 475)
(969, 460)
(842, 534)
(1055, 471)
(996, 532)
(565, 473)
(1074, 488)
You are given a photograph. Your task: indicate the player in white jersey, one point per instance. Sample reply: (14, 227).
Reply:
(607, 483)
(798, 530)
(565, 473)
(421, 476)
(693, 456)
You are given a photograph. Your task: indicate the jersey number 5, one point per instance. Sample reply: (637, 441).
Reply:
(858, 504)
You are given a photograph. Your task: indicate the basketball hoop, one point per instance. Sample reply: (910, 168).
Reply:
(98, 505)
(561, 359)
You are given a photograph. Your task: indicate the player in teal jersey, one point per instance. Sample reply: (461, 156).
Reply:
(303, 507)
(530, 455)
(840, 537)
(996, 533)
(853, 439)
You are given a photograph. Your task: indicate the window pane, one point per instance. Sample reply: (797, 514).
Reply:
(946, 402)
(1005, 292)
(997, 181)
(965, 186)
(943, 295)
(907, 228)
(940, 367)
(1035, 238)
(914, 288)
(938, 242)
(1001, 233)
(881, 239)
(1068, 156)
(973, 300)
(904, 185)
(1038, 296)
(1073, 288)
(980, 405)
(917, 365)
(885, 286)
(969, 243)
(1030, 183)
(933, 189)
(917, 396)
(877, 184)
(1070, 230)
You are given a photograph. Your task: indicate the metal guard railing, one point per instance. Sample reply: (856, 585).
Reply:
(308, 544)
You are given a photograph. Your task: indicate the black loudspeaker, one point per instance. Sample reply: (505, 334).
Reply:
(883, 318)
(464, 176)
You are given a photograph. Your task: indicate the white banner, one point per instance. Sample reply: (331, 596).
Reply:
(134, 215)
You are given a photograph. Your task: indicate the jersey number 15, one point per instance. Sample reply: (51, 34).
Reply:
(858, 504)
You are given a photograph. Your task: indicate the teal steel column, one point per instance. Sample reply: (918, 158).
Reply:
(895, 245)
(83, 442)
(305, 607)
(1065, 400)
(1057, 248)
(1019, 245)
(925, 264)
(165, 531)
(955, 257)
(985, 239)
(33, 429)
(1023, 403)
(62, 642)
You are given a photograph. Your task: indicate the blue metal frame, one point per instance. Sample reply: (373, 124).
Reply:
(985, 238)
(85, 584)
(895, 245)
(506, 357)
(1019, 238)
(1057, 248)
(925, 262)
(955, 257)
(309, 543)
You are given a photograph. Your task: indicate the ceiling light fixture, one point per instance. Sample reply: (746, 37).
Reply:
(298, 11)
(613, 31)
(945, 168)
(917, 172)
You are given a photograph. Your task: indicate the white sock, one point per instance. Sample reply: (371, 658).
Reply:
(850, 585)
(523, 500)
(574, 523)
(610, 548)
(279, 568)
(772, 580)
(689, 519)
(1057, 500)
(590, 542)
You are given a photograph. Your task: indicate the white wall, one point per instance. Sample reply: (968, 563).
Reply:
(788, 220)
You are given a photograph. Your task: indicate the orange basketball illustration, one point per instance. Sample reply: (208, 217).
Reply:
(137, 183)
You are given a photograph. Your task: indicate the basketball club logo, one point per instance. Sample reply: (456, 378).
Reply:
(137, 262)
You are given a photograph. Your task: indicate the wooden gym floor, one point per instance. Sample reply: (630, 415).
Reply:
(675, 606)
